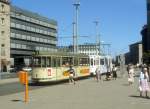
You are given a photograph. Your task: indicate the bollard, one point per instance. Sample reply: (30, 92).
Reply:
(23, 77)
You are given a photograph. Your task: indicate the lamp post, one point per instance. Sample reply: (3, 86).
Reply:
(77, 4)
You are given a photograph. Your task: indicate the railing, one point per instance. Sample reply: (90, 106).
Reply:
(6, 75)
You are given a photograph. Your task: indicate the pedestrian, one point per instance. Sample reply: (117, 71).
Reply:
(131, 75)
(98, 74)
(143, 82)
(128, 67)
(108, 74)
(114, 71)
(71, 75)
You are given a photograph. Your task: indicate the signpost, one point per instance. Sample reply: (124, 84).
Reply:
(23, 77)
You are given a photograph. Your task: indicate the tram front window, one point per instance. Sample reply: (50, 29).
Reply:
(102, 61)
(92, 62)
(37, 62)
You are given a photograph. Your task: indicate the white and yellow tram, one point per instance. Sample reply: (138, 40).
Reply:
(54, 66)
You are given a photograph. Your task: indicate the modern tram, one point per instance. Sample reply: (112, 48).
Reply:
(55, 66)
(104, 63)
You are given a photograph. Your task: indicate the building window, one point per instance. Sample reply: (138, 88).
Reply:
(17, 25)
(45, 40)
(2, 21)
(27, 18)
(23, 46)
(2, 33)
(23, 36)
(33, 38)
(28, 38)
(18, 36)
(29, 28)
(2, 8)
(12, 35)
(23, 17)
(12, 24)
(3, 50)
(18, 45)
(23, 27)
(12, 45)
(37, 39)
(41, 39)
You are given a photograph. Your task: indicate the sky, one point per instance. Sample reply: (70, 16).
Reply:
(120, 21)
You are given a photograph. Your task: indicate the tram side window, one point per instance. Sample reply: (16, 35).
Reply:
(58, 62)
(102, 61)
(106, 61)
(48, 61)
(83, 61)
(53, 62)
(76, 62)
(66, 61)
(97, 62)
(91, 62)
(43, 62)
(37, 62)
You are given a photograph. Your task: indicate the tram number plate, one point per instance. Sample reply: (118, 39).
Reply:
(49, 72)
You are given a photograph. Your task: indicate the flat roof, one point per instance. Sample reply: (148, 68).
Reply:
(32, 14)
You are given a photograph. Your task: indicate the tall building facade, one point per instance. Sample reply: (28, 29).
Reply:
(4, 35)
(146, 36)
(28, 32)
(148, 25)
(136, 53)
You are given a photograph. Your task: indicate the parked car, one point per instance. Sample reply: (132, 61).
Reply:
(28, 69)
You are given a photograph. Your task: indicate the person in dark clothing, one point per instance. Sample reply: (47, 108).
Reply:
(114, 71)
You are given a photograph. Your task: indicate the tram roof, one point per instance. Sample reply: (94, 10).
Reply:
(68, 54)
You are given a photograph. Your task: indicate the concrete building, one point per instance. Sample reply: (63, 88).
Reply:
(4, 35)
(148, 24)
(87, 48)
(136, 53)
(26, 33)
(127, 58)
(146, 36)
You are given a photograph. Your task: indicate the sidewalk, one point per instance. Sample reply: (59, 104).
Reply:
(86, 94)
(9, 80)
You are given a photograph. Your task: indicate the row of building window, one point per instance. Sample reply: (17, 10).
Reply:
(87, 49)
(94, 47)
(27, 47)
(32, 38)
(33, 20)
(32, 29)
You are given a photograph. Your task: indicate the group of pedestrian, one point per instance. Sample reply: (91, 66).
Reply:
(112, 74)
(143, 83)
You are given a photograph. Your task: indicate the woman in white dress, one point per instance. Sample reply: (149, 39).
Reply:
(143, 82)
(131, 75)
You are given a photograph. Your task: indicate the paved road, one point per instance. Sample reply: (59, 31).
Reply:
(86, 94)
(16, 87)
